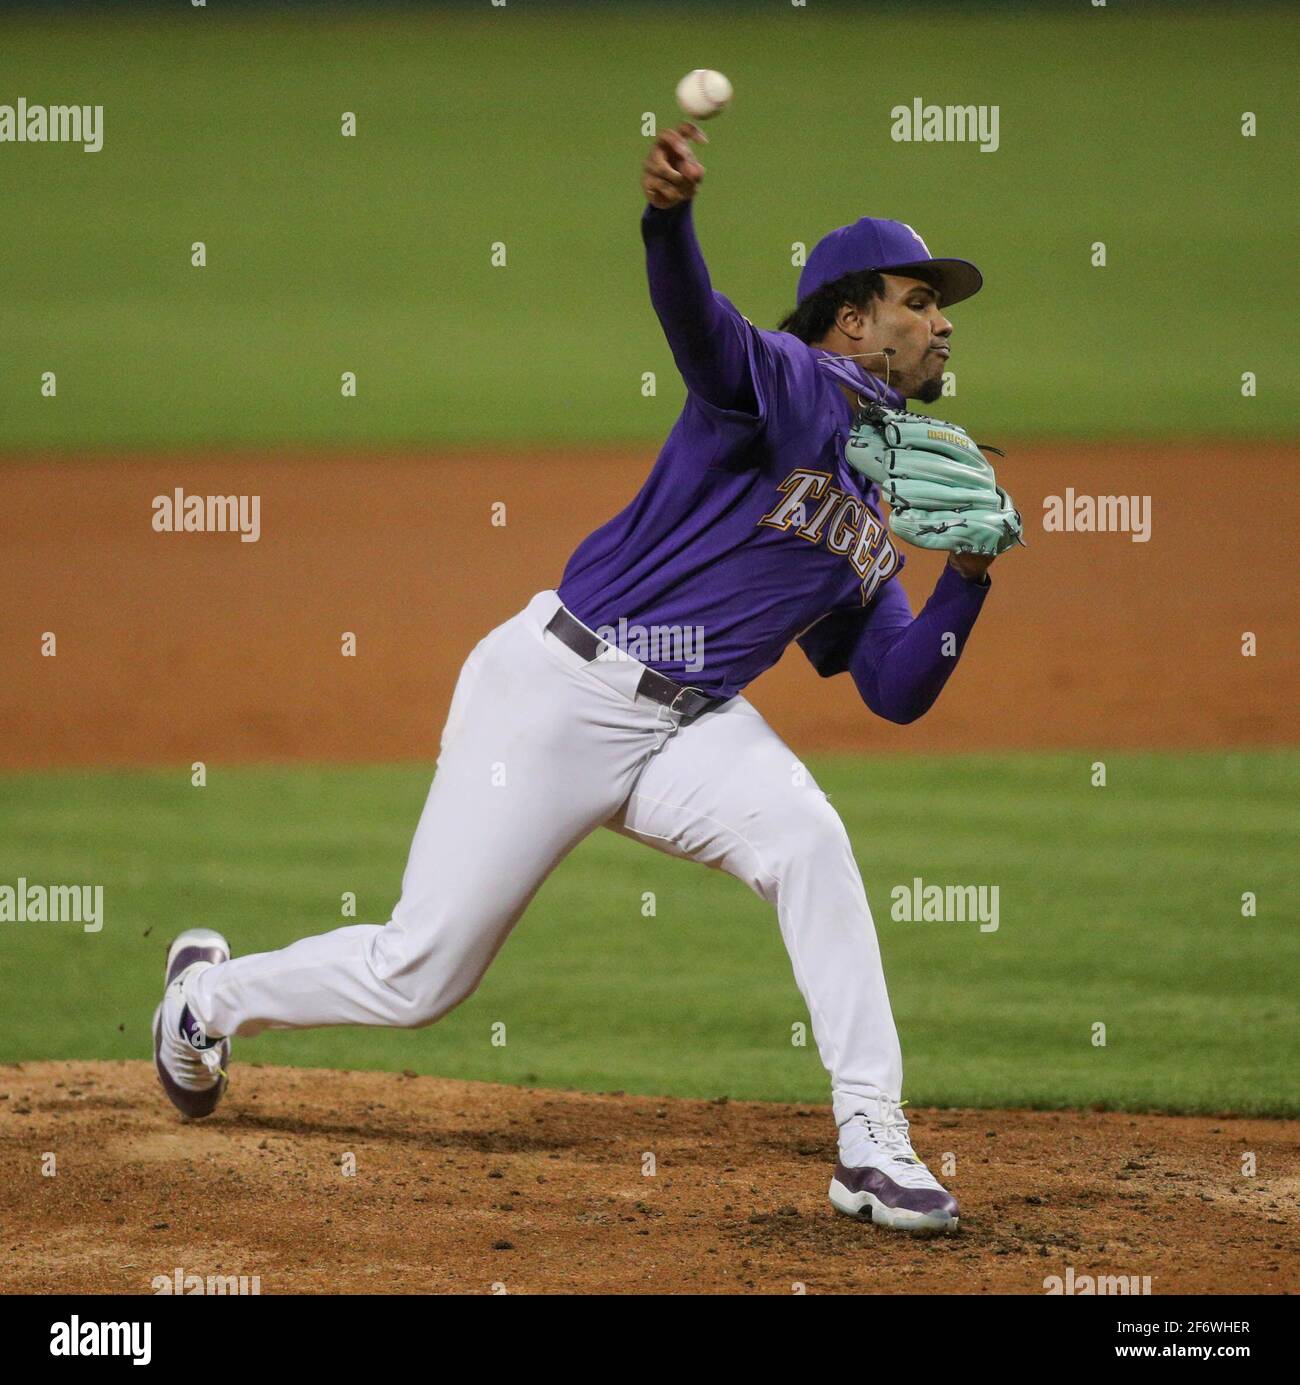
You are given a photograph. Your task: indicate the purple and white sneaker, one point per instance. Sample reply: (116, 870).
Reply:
(879, 1178)
(191, 1067)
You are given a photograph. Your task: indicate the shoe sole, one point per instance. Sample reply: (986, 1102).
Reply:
(868, 1207)
(193, 945)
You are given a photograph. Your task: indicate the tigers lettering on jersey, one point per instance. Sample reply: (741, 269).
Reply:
(823, 513)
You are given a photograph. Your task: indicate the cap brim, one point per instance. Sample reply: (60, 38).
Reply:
(954, 279)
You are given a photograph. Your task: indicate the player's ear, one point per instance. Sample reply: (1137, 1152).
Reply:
(851, 321)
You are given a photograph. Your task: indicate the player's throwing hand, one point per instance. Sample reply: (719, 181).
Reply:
(672, 173)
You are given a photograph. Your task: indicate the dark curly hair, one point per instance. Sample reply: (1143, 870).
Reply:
(815, 316)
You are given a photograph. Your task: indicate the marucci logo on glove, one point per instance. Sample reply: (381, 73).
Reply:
(957, 439)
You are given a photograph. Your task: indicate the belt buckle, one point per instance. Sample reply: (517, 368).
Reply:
(681, 692)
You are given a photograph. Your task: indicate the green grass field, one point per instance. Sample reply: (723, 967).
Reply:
(522, 126)
(1119, 905)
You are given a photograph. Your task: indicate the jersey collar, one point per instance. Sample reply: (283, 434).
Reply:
(848, 372)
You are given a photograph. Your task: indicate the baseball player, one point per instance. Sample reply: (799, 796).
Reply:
(617, 700)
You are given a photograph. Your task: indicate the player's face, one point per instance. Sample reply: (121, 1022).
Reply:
(908, 319)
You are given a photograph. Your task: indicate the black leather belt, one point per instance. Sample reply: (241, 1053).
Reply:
(688, 703)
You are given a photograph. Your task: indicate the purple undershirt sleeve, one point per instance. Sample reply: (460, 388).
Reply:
(899, 662)
(706, 334)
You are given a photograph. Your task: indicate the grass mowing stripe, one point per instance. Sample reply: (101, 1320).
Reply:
(1119, 906)
(373, 254)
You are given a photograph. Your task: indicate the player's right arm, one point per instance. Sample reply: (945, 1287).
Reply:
(710, 341)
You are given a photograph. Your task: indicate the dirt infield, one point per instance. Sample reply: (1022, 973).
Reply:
(462, 1186)
(176, 647)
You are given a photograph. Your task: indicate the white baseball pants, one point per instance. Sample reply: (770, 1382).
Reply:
(540, 748)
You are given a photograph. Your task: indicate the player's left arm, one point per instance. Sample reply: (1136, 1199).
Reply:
(900, 662)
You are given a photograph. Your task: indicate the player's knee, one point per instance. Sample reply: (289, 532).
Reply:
(425, 975)
(423, 1004)
(811, 836)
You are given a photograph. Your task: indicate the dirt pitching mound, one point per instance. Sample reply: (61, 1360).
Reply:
(464, 1187)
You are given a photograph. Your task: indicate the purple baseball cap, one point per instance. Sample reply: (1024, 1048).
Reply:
(891, 247)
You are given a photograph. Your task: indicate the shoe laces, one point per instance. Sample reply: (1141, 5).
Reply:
(887, 1128)
(211, 1059)
(195, 1065)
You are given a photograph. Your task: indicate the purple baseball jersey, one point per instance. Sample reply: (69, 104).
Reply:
(751, 527)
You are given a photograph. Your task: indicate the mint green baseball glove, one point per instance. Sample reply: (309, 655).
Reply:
(941, 490)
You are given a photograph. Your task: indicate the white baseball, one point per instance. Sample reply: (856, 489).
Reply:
(703, 93)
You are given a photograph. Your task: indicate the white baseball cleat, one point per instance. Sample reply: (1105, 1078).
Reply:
(191, 1067)
(879, 1177)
